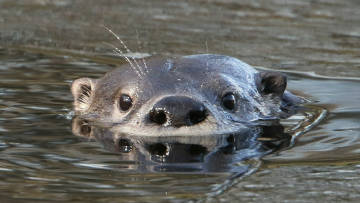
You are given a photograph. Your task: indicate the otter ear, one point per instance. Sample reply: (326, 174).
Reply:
(269, 82)
(82, 90)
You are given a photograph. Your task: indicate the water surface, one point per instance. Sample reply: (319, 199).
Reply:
(47, 44)
(42, 158)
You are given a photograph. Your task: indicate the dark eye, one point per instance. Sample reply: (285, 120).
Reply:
(125, 102)
(229, 101)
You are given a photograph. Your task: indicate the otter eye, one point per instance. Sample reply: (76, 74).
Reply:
(125, 102)
(229, 101)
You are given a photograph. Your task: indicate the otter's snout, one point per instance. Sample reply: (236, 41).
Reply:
(177, 111)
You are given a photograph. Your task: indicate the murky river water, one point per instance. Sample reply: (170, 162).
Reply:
(317, 43)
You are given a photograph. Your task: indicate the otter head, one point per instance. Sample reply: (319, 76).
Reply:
(198, 94)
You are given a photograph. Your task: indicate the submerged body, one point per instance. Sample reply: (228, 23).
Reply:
(191, 95)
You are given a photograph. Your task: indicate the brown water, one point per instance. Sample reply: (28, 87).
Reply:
(316, 42)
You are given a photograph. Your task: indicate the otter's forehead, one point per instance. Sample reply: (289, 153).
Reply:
(200, 66)
(218, 63)
(194, 68)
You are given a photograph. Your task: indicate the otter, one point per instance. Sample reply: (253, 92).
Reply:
(197, 113)
(194, 95)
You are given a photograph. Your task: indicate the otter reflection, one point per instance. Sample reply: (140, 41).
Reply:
(215, 153)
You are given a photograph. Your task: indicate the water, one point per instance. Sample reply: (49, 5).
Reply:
(315, 42)
(42, 158)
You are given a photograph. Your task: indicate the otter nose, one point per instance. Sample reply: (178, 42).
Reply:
(177, 111)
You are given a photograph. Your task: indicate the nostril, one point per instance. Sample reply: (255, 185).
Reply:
(196, 116)
(158, 116)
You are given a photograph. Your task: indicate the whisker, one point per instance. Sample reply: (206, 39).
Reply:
(206, 46)
(144, 62)
(120, 53)
(139, 47)
(126, 48)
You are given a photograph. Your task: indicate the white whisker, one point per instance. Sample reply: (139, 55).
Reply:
(120, 53)
(144, 62)
(206, 46)
(126, 48)
(139, 48)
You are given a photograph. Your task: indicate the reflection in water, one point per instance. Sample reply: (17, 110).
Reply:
(213, 153)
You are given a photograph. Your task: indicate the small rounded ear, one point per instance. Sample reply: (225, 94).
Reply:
(82, 90)
(269, 82)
